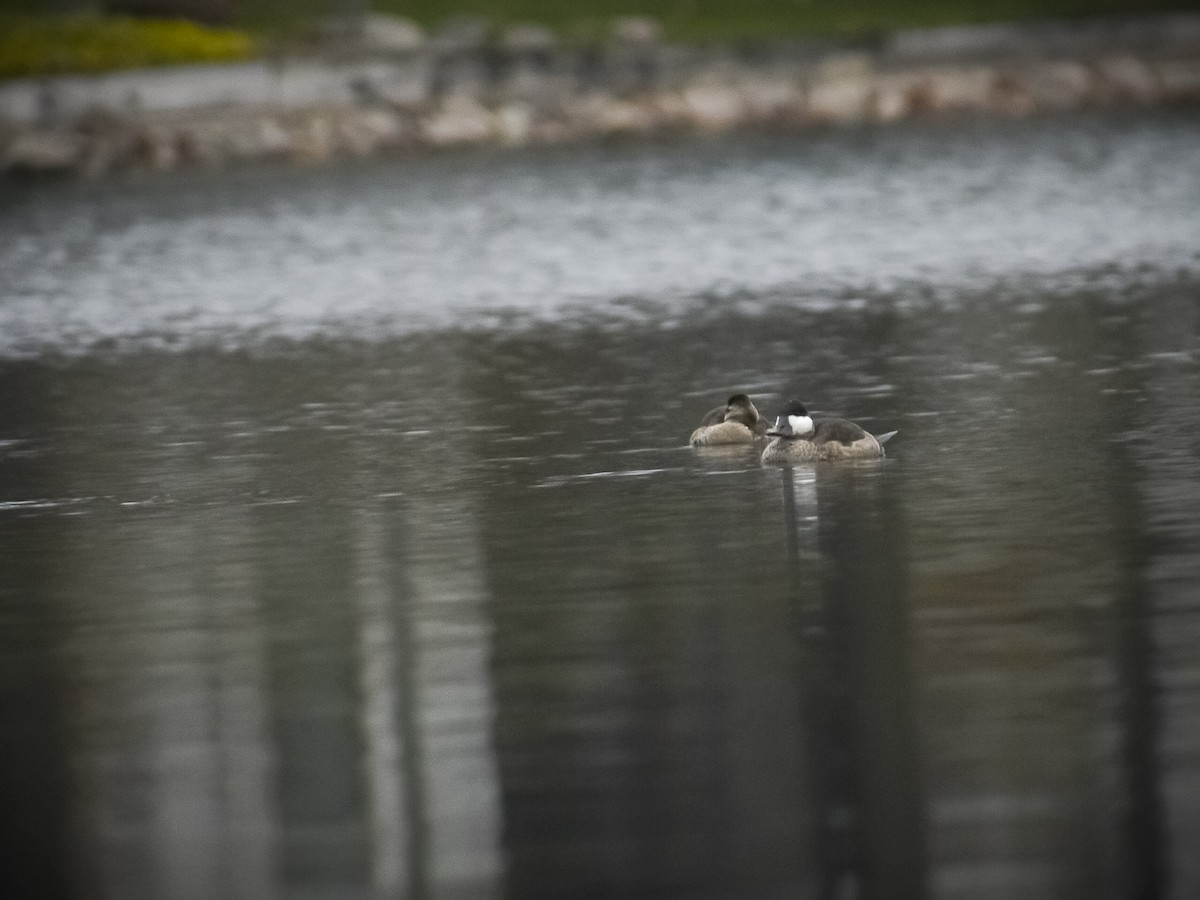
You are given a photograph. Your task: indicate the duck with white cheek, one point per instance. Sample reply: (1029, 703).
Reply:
(798, 437)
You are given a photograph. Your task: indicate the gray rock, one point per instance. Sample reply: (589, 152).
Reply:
(625, 117)
(956, 89)
(841, 90)
(461, 35)
(314, 141)
(1058, 86)
(714, 107)
(636, 30)
(407, 84)
(392, 34)
(527, 38)
(100, 155)
(957, 41)
(460, 120)
(539, 88)
(43, 152)
(1127, 78)
(385, 129)
(514, 124)
(1180, 78)
(273, 140)
(156, 147)
(769, 98)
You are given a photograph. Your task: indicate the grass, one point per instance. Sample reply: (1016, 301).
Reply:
(32, 45)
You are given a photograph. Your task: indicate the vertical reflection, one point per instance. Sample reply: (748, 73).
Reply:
(382, 683)
(251, 827)
(424, 643)
(177, 782)
(280, 680)
(869, 829)
(35, 775)
(1155, 475)
(447, 701)
(426, 715)
(1143, 831)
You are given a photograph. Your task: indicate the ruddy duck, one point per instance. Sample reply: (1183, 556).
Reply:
(801, 438)
(737, 422)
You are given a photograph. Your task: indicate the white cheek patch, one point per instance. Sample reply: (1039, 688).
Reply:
(800, 424)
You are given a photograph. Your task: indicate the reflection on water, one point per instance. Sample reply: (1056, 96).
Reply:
(456, 613)
(626, 234)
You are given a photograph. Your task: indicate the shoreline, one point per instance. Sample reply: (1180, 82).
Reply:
(419, 97)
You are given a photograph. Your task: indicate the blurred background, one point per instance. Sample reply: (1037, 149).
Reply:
(350, 541)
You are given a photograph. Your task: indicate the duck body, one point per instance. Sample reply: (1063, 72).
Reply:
(799, 437)
(737, 422)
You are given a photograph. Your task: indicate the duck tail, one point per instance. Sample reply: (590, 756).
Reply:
(885, 437)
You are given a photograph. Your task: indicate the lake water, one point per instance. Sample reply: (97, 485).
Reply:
(351, 546)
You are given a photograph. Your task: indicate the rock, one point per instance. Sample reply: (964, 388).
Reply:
(514, 124)
(771, 98)
(839, 101)
(636, 30)
(625, 117)
(460, 120)
(553, 131)
(957, 89)
(243, 138)
(461, 74)
(1008, 96)
(313, 142)
(42, 152)
(841, 89)
(273, 140)
(385, 129)
(714, 107)
(891, 97)
(200, 144)
(542, 89)
(392, 34)
(1126, 78)
(103, 154)
(1180, 78)
(156, 147)
(527, 38)
(406, 85)
(845, 67)
(351, 139)
(463, 34)
(671, 111)
(1058, 86)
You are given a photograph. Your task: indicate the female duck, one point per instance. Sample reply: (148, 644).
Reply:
(801, 438)
(737, 422)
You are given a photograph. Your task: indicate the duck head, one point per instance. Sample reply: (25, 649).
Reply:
(793, 421)
(738, 408)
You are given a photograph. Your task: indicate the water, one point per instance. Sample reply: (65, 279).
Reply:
(351, 546)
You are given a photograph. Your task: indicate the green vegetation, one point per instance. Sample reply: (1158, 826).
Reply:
(49, 45)
(34, 44)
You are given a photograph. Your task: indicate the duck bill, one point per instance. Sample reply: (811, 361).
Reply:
(781, 428)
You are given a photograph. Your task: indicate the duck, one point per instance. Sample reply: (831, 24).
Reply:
(799, 437)
(737, 422)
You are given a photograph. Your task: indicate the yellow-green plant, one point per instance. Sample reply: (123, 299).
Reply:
(60, 44)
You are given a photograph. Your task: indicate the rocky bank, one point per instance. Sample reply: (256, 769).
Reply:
(390, 89)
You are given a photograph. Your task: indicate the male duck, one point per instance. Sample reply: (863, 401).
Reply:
(801, 438)
(737, 422)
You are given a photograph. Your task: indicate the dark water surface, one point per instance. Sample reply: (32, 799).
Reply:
(350, 545)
